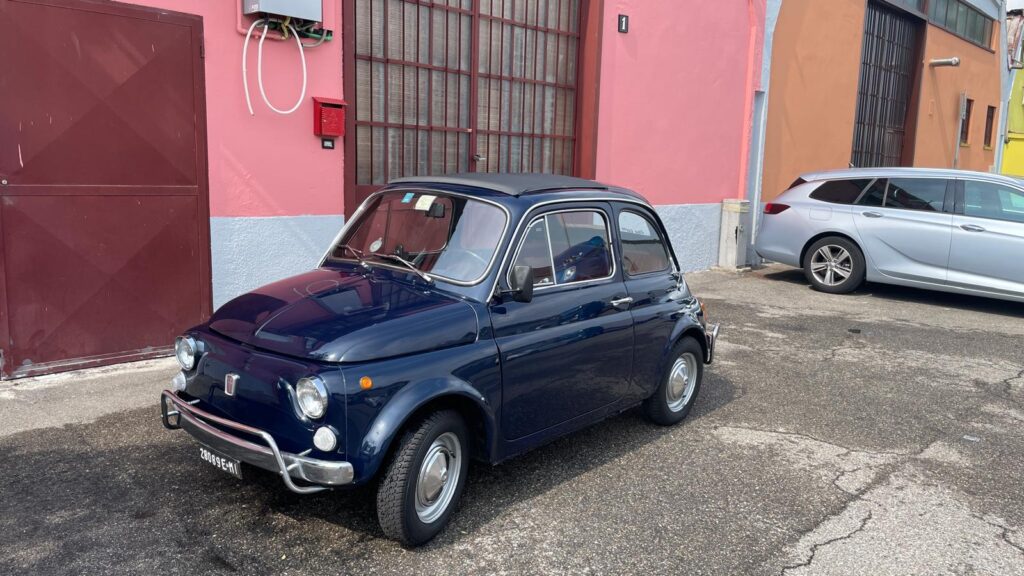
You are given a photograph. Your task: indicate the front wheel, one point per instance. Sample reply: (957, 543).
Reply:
(834, 265)
(679, 386)
(424, 480)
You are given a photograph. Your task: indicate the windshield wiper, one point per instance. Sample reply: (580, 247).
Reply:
(357, 254)
(409, 265)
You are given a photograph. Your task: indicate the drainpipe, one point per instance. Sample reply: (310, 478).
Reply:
(959, 129)
(953, 63)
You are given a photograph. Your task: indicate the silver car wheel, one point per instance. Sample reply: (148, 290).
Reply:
(682, 381)
(831, 265)
(438, 477)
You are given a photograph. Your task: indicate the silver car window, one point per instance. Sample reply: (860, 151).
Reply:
(992, 201)
(926, 194)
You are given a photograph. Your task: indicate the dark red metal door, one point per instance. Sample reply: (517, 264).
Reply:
(104, 212)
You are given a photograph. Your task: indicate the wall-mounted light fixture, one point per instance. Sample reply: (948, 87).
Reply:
(937, 62)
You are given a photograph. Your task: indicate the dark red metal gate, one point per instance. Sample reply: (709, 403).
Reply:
(104, 211)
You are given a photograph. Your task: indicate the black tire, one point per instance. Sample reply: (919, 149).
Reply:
(856, 269)
(397, 492)
(660, 407)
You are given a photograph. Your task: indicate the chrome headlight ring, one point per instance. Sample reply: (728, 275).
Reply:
(311, 393)
(185, 350)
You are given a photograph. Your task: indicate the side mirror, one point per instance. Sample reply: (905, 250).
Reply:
(522, 284)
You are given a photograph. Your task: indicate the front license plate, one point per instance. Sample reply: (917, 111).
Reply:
(220, 462)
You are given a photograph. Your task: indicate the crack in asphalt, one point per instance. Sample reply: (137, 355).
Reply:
(818, 546)
(846, 450)
(1006, 389)
(1004, 532)
(1008, 383)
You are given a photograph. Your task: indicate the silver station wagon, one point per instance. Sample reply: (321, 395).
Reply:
(948, 230)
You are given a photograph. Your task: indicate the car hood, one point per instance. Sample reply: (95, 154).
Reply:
(347, 316)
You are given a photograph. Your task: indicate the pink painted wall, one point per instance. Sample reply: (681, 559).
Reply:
(674, 120)
(267, 164)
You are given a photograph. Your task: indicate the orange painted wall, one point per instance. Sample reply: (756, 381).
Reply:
(813, 98)
(938, 121)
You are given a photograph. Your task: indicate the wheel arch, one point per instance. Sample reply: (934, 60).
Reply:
(831, 233)
(686, 326)
(413, 403)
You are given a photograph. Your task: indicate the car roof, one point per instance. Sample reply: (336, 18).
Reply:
(518, 185)
(510, 184)
(898, 172)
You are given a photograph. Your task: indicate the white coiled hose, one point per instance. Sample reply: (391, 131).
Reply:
(259, 68)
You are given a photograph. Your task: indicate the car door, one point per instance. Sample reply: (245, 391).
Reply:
(570, 350)
(987, 250)
(649, 276)
(904, 225)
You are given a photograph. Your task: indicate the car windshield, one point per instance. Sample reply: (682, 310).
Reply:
(449, 237)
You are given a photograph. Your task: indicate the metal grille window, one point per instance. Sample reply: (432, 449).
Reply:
(460, 85)
(889, 58)
(527, 85)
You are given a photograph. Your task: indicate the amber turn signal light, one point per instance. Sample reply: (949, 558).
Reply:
(365, 383)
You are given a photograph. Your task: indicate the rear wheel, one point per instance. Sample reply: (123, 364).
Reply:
(424, 479)
(834, 265)
(679, 386)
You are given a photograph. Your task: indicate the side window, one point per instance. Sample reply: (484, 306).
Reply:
(643, 250)
(875, 194)
(535, 252)
(984, 200)
(926, 194)
(579, 245)
(840, 191)
(566, 247)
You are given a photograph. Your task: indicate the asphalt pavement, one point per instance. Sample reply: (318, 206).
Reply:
(876, 433)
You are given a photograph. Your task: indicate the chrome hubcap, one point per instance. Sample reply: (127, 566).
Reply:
(682, 380)
(438, 477)
(831, 265)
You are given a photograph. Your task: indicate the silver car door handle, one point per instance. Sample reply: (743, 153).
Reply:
(622, 303)
(972, 228)
(872, 214)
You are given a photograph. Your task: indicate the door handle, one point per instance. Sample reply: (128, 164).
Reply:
(872, 214)
(479, 158)
(622, 303)
(972, 228)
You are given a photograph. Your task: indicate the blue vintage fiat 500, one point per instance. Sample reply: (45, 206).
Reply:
(454, 318)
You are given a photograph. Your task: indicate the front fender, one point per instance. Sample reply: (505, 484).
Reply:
(409, 401)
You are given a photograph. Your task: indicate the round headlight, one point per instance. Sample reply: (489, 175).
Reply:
(312, 395)
(185, 352)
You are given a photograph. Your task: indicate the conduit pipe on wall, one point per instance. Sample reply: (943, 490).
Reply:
(259, 67)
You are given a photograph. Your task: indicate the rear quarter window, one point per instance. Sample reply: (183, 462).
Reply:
(840, 191)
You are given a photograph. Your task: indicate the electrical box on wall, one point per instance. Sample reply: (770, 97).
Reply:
(328, 117)
(312, 10)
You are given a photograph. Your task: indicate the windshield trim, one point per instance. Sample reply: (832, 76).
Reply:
(362, 208)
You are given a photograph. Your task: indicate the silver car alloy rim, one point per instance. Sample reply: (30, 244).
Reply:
(831, 265)
(682, 380)
(438, 477)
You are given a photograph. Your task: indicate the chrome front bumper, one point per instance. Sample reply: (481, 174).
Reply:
(711, 333)
(177, 413)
